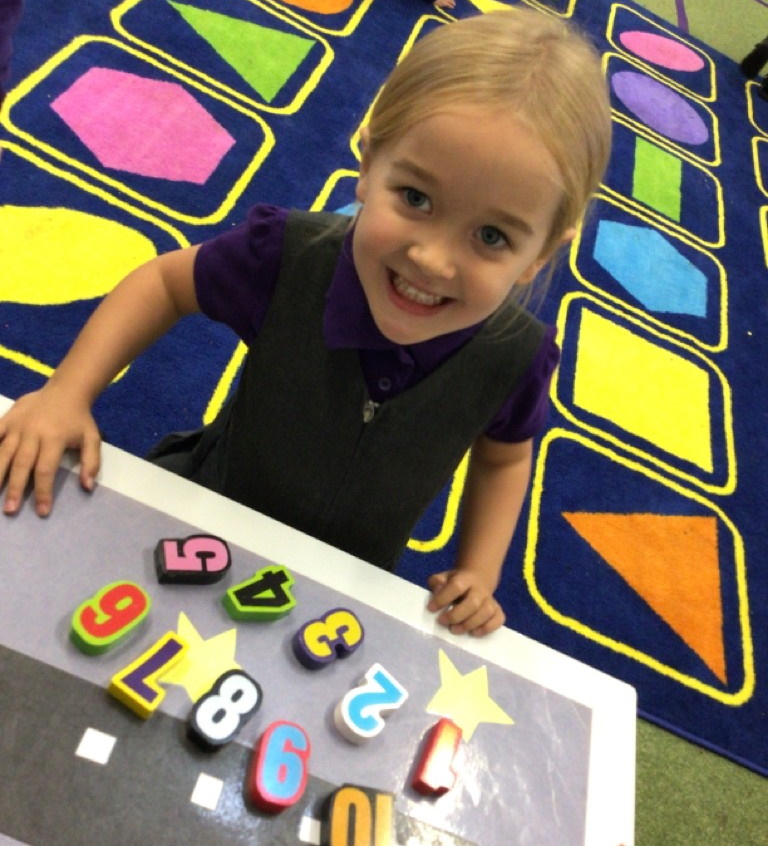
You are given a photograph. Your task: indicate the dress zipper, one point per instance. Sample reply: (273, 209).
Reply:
(369, 410)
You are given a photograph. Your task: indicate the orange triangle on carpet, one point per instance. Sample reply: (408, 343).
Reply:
(672, 562)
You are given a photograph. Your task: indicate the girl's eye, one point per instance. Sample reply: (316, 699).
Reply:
(415, 198)
(492, 237)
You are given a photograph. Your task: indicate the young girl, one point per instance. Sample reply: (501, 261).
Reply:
(380, 349)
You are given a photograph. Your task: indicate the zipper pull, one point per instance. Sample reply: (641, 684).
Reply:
(369, 410)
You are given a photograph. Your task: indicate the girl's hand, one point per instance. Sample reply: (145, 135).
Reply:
(465, 603)
(33, 436)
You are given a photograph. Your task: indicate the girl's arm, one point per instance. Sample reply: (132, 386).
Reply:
(41, 425)
(496, 485)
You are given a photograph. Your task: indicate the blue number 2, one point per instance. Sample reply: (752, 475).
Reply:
(360, 714)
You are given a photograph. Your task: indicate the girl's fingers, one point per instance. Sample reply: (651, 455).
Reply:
(46, 467)
(466, 608)
(19, 469)
(7, 450)
(25, 458)
(453, 588)
(90, 461)
(483, 621)
(437, 584)
(474, 614)
(496, 622)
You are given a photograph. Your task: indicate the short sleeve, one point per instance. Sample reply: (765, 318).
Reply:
(525, 411)
(236, 272)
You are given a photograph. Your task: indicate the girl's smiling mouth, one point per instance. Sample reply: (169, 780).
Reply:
(412, 298)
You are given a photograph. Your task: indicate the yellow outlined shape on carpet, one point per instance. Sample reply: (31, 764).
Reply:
(29, 362)
(660, 220)
(306, 89)
(751, 89)
(652, 69)
(657, 136)
(40, 74)
(348, 28)
(608, 358)
(757, 143)
(615, 397)
(680, 581)
(92, 254)
(764, 231)
(731, 698)
(722, 281)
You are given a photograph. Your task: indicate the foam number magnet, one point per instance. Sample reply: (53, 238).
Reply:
(108, 617)
(334, 635)
(362, 817)
(279, 767)
(196, 560)
(219, 714)
(360, 714)
(137, 686)
(435, 773)
(265, 597)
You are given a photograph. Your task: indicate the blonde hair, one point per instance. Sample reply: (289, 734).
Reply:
(538, 66)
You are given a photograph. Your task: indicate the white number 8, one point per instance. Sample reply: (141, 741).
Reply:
(220, 714)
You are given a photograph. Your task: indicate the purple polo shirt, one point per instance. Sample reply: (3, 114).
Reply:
(235, 278)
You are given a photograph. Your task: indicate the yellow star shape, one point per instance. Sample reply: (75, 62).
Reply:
(465, 699)
(204, 661)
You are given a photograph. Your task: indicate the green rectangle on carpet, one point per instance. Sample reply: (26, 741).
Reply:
(657, 179)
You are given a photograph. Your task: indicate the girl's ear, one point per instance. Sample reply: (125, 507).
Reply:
(532, 271)
(365, 158)
(365, 137)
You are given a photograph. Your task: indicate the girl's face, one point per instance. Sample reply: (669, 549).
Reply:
(455, 212)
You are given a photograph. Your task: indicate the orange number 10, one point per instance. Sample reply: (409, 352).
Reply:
(361, 817)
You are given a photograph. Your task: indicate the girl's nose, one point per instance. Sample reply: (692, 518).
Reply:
(433, 259)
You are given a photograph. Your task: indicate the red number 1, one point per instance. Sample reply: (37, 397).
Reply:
(435, 773)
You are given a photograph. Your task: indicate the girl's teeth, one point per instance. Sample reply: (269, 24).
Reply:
(413, 294)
